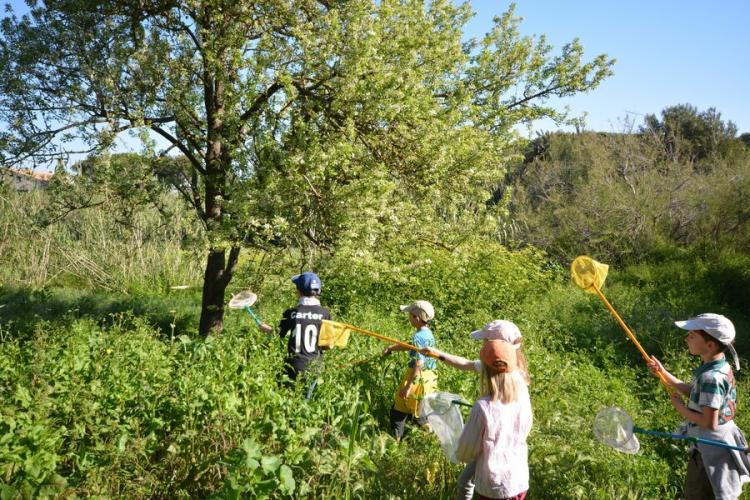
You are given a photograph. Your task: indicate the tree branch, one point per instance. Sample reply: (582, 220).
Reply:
(234, 255)
(260, 100)
(533, 96)
(173, 140)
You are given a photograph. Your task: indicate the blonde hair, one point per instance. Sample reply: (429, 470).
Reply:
(523, 366)
(501, 386)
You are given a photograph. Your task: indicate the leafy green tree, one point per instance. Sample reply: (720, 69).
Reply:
(305, 124)
(689, 135)
(123, 182)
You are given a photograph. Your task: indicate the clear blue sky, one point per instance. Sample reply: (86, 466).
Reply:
(668, 52)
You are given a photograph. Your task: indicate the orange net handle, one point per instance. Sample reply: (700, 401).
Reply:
(630, 335)
(387, 339)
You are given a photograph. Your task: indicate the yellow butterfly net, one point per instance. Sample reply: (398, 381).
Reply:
(586, 272)
(589, 275)
(333, 334)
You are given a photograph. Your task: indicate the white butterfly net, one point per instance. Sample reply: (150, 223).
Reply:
(440, 410)
(243, 299)
(614, 427)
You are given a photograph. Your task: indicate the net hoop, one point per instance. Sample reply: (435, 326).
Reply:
(439, 403)
(585, 272)
(244, 299)
(333, 334)
(614, 427)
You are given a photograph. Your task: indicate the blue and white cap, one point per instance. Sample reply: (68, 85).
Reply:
(307, 282)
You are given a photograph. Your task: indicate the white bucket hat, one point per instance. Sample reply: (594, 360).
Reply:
(499, 329)
(420, 306)
(717, 326)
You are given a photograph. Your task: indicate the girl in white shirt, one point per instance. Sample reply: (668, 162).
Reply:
(499, 329)
(495, 434)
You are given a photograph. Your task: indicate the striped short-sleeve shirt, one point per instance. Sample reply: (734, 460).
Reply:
(714, 386)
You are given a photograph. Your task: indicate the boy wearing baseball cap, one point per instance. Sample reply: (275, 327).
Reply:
(302, 324)
(712, 472)
(420, 378)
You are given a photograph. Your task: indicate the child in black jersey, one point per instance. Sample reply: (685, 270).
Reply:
(302, 323)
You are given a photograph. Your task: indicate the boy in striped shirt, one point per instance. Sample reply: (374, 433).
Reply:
(712, 472)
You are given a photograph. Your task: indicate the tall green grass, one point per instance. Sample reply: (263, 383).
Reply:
(92, 249)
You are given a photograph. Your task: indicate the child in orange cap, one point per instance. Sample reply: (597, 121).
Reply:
(499, 329)
(495, 435)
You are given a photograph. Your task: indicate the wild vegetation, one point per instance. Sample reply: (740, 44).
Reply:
(681, 181)
(107, 389)
(370, 142)
(298, 125)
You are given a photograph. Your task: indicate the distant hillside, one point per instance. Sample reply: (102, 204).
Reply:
(680, 181)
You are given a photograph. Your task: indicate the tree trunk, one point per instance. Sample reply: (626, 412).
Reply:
(215, 280)
(218, 163)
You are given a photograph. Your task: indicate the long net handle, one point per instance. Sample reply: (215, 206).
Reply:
(250, 311)
(720, 444)
(630, 335)
(387, 339)
(711, 442)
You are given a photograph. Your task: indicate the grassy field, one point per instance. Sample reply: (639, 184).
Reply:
(114, 395)
(108, 391)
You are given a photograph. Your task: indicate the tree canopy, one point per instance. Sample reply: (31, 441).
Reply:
(305, 124)
(689, 135)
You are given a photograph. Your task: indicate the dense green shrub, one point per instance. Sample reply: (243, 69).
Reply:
(622, 196)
